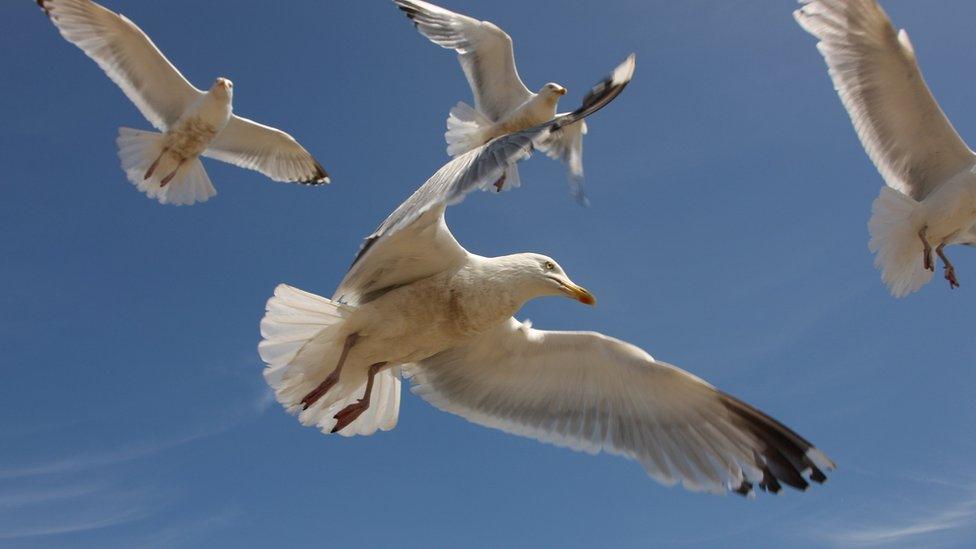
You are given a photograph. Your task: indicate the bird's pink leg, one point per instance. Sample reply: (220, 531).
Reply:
(500, 184)
(950, 271)
(152, 167)
(172, 174)
(927, 262)
(349, 414)
(333, 377)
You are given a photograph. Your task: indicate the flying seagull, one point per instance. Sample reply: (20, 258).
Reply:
(502, 102)
(930, 198)
(166, 166)
(415, 301)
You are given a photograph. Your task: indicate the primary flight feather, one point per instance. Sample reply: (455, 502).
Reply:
(166, 166)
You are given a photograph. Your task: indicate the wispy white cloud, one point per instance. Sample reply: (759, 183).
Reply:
(135, 450)
(917, 525)
(51, 513)
(13, 499)
(91, 491)
(178, 533)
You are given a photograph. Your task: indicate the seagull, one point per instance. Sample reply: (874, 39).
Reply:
(416, 302)
(166, 166)
(502, 102)
(930, 198)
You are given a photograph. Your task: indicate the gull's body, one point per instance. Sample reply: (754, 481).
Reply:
(416, 301)
(192, 123)
(201, 123)
(415, 321)
(503, 104)
(930, 198)
(537, 109)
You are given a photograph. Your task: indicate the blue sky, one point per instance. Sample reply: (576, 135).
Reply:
(727, 235)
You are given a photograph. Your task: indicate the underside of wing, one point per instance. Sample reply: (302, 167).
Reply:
(424, 247)
(875, 72)
(593, 393)
(484, 50)
(127, 56)
(274, 153)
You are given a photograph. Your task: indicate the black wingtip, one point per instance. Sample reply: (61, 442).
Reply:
(411, 11)
(318, 177)
(41, 4)
(601, 94)
(744, 489)
(783, 456)
(321, 177)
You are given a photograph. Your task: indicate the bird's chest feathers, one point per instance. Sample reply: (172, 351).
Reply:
(197, 128)
(533, 112)
(426, 317)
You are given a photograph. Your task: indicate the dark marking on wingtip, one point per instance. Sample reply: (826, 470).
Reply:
(321, 176)
(44, 8)
(782, 455)
(744, 489)
(769, 482)
(817, 475)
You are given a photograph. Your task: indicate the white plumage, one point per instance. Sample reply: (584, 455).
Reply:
(165, 165)
(503, 104)
(415, 299)
(906, 135)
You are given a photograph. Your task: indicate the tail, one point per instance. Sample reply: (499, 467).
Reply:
(895, 241)
(139, 150)
(302, 337)
(465, 129)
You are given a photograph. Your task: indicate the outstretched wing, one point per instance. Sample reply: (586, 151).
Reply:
(875, 72)
(127, 56)
(387, 260)
(484, 50)
(594, 393)
(274, 153)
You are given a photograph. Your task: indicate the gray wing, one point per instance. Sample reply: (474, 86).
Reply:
(484, 50)
(594, 393)
(127, 56)
(274, 153)
(875, 72)
(380, 263)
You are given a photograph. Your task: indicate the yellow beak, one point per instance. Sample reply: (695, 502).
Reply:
(579, 293)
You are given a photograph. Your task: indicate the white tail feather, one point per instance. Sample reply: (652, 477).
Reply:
(303, 335)
(895, 241)
(465, 129)
(139, 149)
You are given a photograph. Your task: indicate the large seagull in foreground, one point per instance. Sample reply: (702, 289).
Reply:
(502, 102)
(415, 300)
(930, 198)
(166, 166)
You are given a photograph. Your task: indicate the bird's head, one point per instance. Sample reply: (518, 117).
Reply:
(223, 86)
(539, 275)
(552, 91)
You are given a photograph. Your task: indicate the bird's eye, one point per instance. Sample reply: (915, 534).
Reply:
(550, 266)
